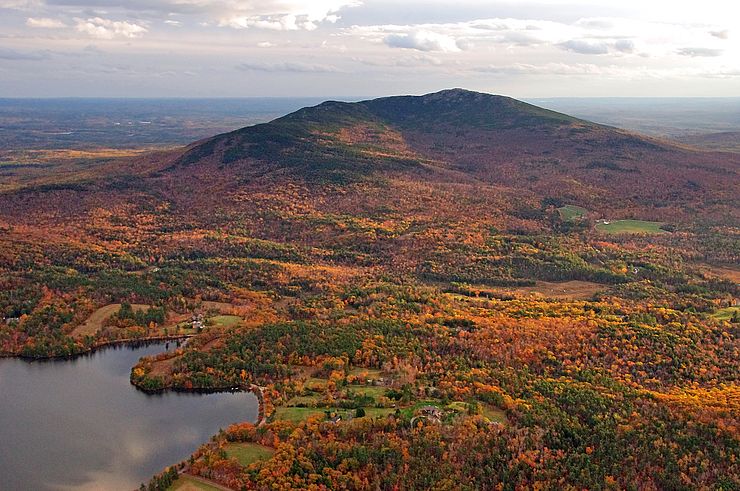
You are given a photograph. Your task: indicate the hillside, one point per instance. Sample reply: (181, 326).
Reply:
(450, 272)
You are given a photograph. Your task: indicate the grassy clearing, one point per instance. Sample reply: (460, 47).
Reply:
(225, 320)
(567, 290)
(572, 212)
(314, 383)
(494, 414)
(95, 322)
(726, 314)
(185, 483)
(630, 227)
(248, 453)
(310, 400)
(368, 390)
(370, 373)
(298, 414)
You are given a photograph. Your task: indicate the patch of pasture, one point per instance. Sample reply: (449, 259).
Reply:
(225, 320)
(630, 227)
(572, 212)
(727, 314)
(248, 453)
(187, 483)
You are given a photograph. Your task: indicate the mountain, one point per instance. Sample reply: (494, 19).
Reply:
(446, 157)
(462, 137)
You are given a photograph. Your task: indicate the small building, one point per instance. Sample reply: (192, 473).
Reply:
(197, 322)
(428, 414)
(431, 412)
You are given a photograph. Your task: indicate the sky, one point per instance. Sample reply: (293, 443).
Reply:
(348, 48)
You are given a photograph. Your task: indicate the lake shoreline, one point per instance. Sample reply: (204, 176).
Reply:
(98, 346)
(92, 394)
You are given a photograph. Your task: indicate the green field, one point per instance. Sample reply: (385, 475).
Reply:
(572, 212)
(248, 453)
(372, 373)
(298, 414)
(368, 390)
(494, 414)
(185, 483)
(726, 314)
(630, 227)
(315, 383)
(225, 320)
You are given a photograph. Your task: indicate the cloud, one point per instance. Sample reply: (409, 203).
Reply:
(290, 15)
(13, 55)
(596, 23)
(520, 38)
(723, 34)
(423, 41)
(699, 52)
(109, 29)
(44, 23)
(625, 46)
(585, 47)
(20, 4)
(550, 69)
(294, 67)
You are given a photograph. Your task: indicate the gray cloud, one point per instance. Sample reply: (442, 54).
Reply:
(723, 34)
(13, 55)
(700, 52)
(294, 67)
(585, 47)
(519, 38)
(422, 41)
(624, 46)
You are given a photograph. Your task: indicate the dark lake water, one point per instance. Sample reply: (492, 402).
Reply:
(79, 424)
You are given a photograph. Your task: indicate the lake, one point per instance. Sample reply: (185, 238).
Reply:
(80, 424)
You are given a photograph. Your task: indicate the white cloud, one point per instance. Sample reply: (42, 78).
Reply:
(291, 15)
(109, 29)
(422, 41)
(44, 23)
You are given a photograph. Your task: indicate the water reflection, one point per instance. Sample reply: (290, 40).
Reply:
(79, 424)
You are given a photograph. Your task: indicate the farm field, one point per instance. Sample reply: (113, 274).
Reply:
(189, 483)
(225, 320)
(572, 212)
(95, 322)
(248, 453)
(630, 227)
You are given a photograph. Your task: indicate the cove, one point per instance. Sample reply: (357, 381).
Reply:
(80, 424)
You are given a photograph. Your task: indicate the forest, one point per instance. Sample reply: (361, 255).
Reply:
(411, 321)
